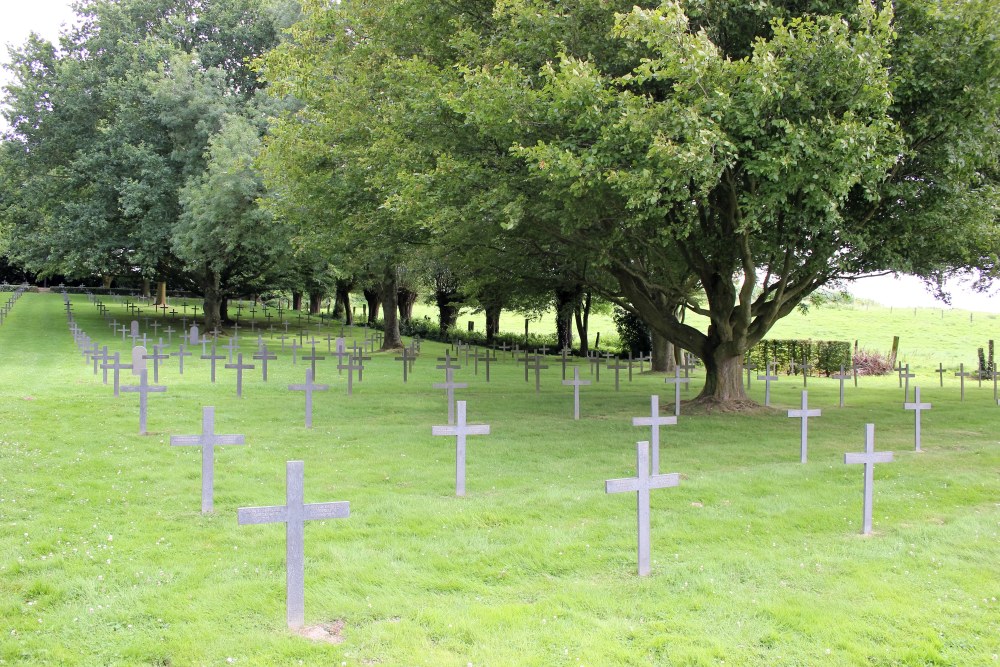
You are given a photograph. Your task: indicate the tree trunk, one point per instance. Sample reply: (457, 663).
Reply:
(161, 293)
(213, 300)
(406, 299)
(315, 303)
(566, 302)
(296, 300)
(492, 322)
(106, 280)
(224, 310)
(447, 311)
(582, 315)
(724, 380)
(145, 288)
(374, 301)
(342, 302)
(662, 353)
(390, 305)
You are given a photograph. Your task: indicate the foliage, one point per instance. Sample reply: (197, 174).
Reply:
(870, 362)
(633, 333)
(823, 356)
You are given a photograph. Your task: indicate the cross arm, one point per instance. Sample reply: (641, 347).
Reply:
(253, 515)
(335, 510)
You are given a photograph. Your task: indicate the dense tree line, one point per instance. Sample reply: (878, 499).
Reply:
(723, 158)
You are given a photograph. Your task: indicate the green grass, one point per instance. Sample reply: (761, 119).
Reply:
(105, 558)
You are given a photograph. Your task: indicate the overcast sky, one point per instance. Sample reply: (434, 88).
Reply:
(18, 18)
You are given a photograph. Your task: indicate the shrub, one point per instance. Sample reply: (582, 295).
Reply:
(823, 356)
(633, 333)
(868, 362)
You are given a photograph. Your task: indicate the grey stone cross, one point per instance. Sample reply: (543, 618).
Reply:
(617, 368)
(231, 345)
(213, 358)
(576, 383)
(905, 375)
(350, 367)
(655, 421)
(239, 367)
(313, 358)
(143, 389)
(263, 357)
(538, 368)
(768, 377)
(917, 408)
(804, 413)
(962, 374)
(116, 367)
(460, 430)
(677, 381)
(156, 357)
(842, 377)
(407, 360)
(449, 385)
(642, 483)
(869, 458)
(294, 513)
(180, 354)
(207, 441)
(940, 371)
(309, 387)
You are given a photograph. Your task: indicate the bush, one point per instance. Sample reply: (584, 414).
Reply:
(868, 362)
(633, 334)
(823, 356)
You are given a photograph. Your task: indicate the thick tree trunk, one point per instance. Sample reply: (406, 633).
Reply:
(492, 322)
(224, 310)
(212, 300)
(566, 302)
(582, 315)
(390, 319)
(724, 381)
(161, 293)
(447, 311)
(662, 353)
(296, 300)
(406, 298)
(106, 280)
(315, 302)
(145, 288)
(342, 302)
(374, 300)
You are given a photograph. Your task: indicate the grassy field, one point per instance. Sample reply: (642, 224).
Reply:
(106, 559)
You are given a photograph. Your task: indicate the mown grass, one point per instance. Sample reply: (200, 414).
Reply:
(105, 558)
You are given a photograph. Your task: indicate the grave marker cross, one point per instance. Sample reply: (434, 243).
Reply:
(449, 385)
(962, 374)
(460, 430)
(677, 381)
(655, 421)
(156, 357)
(642, 483)
(804, 413)
(617, 368)
(180, 354)
(143, 389)
(906, 375)
(842, 376)
(309, 387)
(869, 458)
(576, 383)
(538, 368)
(213, 357)
(294, 513)
(263, 357)
(239, 367)
(917, 408)
(768, 377)
(116, 367)
(207, 441)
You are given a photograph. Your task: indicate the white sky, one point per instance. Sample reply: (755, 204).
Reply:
(47, 17)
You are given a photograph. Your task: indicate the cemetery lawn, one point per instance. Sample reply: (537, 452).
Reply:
(106, 559)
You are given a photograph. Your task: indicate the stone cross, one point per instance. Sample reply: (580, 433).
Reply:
(294, 513)
(642, 483)
(869, 458)
(231, 345)
(313, 358)
(962, 374)
(940, 371)
(341, 352)
(768, 377)
(805, 367)
(449, 385)
(407, 359)
(239, 367)
(677, 381)
(116, 367)
(263, 357)
(899, 372)
(655, 421)
(295, 350)
(102, 356)
(207, 441)
(843, 376)
(576, 383)
(170, 331)
(538, 368)
(906, 375)
(617, 368)
(804, 413)
(563, 357)
(917, 407)
(447, 367)
(213, 358)
(460, 430)
(180, 354)
(749, 366)
(282, 338)
(309, 387)
(595, 365)
(350, 367)
(156, 357)
(143, 389)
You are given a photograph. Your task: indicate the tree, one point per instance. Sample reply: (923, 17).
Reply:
(763, 152)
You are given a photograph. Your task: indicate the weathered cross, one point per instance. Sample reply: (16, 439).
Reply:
(263, 357)
(677, 381)
(449, 385)
(180, 354)
(207, 441)
(576, 383)
(655, 421)
(617, 368)
(484, 357)
(842, 377)
(906, 375)
(917, 408)
(213, 357)
(157, 355)
(143, 389)
(804, 413)
(309, 387)
(239, 367)
(642, 483)
(538, 368)
(117, 367)
(231, 345)
(869, 458)
(294, 513)
(768, 377)
(460, 430)
(962, 374)
(313, 358)
(940, 371)
(407, 359)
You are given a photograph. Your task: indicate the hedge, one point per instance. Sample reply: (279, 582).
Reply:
(824, 356)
